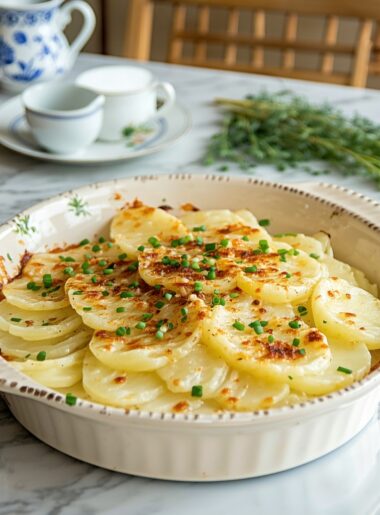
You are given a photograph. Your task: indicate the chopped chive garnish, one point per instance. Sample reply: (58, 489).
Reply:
(199, 240)
(198, 286)
(134, 284)
(102, 262)
(140, 325)
(77, 292)
(238, 325)
(84, 242)
(257, 327)
(105, 293)
(69, 270)
(264, 246)
(264, 222)
(209, 247)
(94, 279)
(85, 265)
(245, 238)
(109, 244)
(122, 256)
(184, 312)
(288, 275)
(157, 286)
(290, 377)
(47, 280)
(87, 308)
(199, 228)
(133, 266)
(344, 370)
(159, 304)
(120, 309)
(140, 248)
(9, 257)
(301, 351)
(27, 356)
(234, 295)
(15, 319)
(296, 342)
(301, 309)
(224, 243)
(67, 259)
(271, 338)
(108, 271)
(41, 356)
(126, 294)
(250, 269)
(33, 286)
(211, 274)
(146, 316)
(71, 400)
(101, 239)
(121, 331)
(96, 248)
(195, 266)
(314, 255)
(154, 242)
(197, 390)
(294, 324)
(168, 296)
(159, 335)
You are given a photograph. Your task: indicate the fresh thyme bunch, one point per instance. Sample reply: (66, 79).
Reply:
(287, 131)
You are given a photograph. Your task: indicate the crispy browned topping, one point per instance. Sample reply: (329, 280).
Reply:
(180, 407)
(189, 207)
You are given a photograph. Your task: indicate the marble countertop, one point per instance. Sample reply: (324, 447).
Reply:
(35, 479)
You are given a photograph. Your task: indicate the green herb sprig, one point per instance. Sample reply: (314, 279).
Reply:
(288, 131)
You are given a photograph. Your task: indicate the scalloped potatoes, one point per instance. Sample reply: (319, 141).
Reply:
(204, 312)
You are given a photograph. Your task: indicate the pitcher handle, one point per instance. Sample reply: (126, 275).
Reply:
(89, 22)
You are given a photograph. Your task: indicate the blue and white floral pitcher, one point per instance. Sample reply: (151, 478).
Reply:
(33, 47)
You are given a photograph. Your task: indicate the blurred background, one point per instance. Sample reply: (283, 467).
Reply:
(112, 21)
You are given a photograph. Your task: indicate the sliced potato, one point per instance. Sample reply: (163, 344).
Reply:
(137, 224)
(31, 292)
(279, 276)
(198, 367)
(349, 363)
(169, 268)
(300, 241)
(242, 392)
(54, 373)
(274, 347)
(38, 325)
(105, 301)
(169, 402)
(346, 312)
(363, 282)
(116, 388)
(325, 240)
(76, 389)
(339, 269)
(143, 343)
(54, 348)
(218, 224)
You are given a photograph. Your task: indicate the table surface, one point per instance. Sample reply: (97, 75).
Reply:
(35, 479)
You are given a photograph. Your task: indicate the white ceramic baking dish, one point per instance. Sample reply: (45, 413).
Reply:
(196, 447)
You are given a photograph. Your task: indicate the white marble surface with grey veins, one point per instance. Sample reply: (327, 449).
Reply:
(35, 479)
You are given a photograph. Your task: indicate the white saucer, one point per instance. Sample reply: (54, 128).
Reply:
(152, 137)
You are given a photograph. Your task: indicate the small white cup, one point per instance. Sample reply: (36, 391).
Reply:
(63, 118)
(131, 97)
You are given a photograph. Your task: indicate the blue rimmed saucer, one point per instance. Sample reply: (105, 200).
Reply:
(140, 141)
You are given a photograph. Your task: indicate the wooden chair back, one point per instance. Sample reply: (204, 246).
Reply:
(365, 12)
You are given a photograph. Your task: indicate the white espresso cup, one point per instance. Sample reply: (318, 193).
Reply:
(131, 95)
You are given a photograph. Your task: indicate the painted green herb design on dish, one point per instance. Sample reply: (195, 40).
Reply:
(135, 135)
(78, 206)
(23, 225)
(288, 131)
